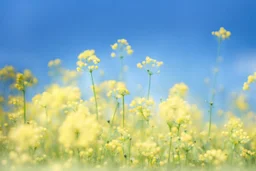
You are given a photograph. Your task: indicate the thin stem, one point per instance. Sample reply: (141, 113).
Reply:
(130, 144)
(24, 106)
(123, 109)
(210, 119)
(149, 83)
(213, 93)
(122, 67)
(95, 98)
(117, 106)
(169, 150)
(170, 146)
(46, 114)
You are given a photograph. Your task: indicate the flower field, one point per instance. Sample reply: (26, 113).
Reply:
(59, 129)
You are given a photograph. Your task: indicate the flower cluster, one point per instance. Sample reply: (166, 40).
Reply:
(142, 107)
(80, 129)
(234, 131)
(54, 63)
(175, 110)
(150, 65)
(149, 150)
(121, 49)
(24, 80)
(180, 89)
(222, 34)
(213, 157)
(27, 136)
(251, 79)
(241, 102)
(8, 72)
(87, 60)
(119, 90)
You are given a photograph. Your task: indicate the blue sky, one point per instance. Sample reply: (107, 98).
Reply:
(177, 32)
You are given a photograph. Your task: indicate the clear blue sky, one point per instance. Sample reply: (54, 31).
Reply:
(178, 32)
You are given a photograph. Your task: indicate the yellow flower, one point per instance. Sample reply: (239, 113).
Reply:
(114, 47)
(54, 63)
(81, 129)
(113, 54)
(24, 80)
(251, 79)
(26, 136)
(241, 103)
(213, 157)
(180, 89)
(222, 34)
(121, 48)
(150, 65)
(8, 72)
(87, 60)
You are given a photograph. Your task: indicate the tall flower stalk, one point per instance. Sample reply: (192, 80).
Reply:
(94, 94)
(123, 109)
(121, 49)
(116, 108)
(149, 82)
(152, 67)
(119, 91)
(24, 80)
(88, 61)
(221, 35)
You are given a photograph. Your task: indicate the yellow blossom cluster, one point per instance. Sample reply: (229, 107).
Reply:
(222, 34)
(119, 90)
(15, 115)
(27, 136)
(54, 63)
(24, 80)
(251, 79)
(142, 107)
(121, 49)
(78, 130)
(8, 72)
(87, 60)
(114, 146)
(150, 65)
(213, 157)
(15, 100)
(234, 131)
(179, 89)
(148, 149)
(247, 153)
(175, 110)
(87, 153)
(241, 102)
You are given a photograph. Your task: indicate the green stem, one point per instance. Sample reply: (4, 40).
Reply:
(178, 129)
(170, 146)
(123, 109)
(169, 150)
(149, 83)
(213, 93)
(122, 68)
(117, 106)
(210, 119)
(130, 144)
(95, 98)
(24, 106)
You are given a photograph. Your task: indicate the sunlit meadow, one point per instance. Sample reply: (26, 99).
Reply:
(58, 129)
